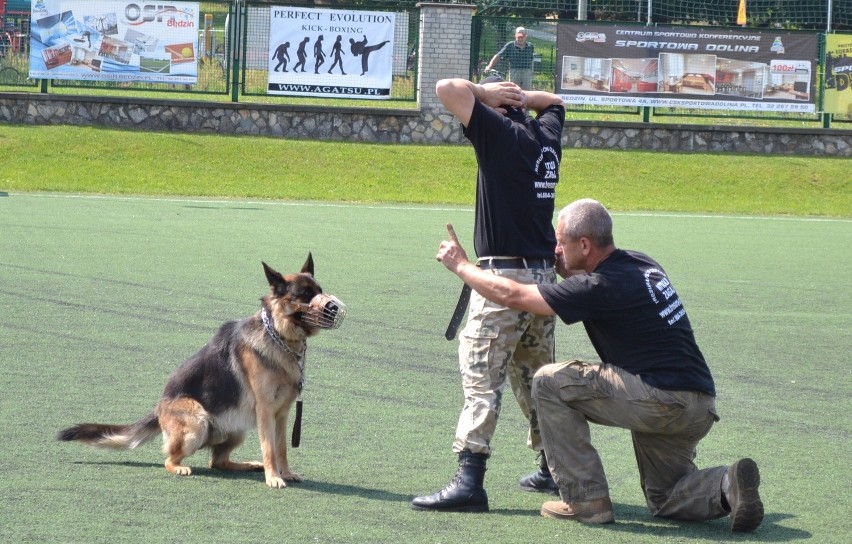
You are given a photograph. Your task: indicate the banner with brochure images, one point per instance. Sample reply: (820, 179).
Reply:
(687, 67)
(114, 41)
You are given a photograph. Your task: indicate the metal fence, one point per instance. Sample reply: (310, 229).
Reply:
(233, 48)
(821, 15)
(233, 45)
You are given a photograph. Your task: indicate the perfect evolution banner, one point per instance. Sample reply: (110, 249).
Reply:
(687, 67)
(114, 41)
(322, 52)
(838, 74)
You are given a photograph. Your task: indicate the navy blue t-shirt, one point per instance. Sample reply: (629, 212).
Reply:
(635, 320)
(518, 162)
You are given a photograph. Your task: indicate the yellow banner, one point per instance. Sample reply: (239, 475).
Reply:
(741, 13)
(838, 74)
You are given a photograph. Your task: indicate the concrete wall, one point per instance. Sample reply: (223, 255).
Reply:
(444, 52)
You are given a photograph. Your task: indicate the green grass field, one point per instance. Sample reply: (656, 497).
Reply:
(101, 297)
(92, 160)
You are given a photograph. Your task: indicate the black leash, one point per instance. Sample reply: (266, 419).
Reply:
(300, 360)
(297, 425)
(458, 313)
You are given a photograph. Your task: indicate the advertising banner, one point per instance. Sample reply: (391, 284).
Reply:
(687, 67)
(838, 74)
(322, 52)
(114, 41)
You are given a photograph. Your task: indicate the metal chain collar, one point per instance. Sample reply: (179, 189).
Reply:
(300, 356)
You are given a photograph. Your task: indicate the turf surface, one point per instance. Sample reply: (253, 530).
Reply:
(101, 297)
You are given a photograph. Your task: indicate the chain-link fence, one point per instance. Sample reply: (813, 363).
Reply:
(233, 43)
(214, 36)
(822, 15)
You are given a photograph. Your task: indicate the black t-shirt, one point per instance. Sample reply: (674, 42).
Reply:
(635, 320)
(516, 183)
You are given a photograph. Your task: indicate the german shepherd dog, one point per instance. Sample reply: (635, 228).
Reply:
(248, 375)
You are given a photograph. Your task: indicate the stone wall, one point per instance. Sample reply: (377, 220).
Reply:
(444, 52)
(708, 139)
(417, 126)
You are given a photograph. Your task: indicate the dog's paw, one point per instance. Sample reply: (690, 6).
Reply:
(276, 482)
(178, 470)
(292, 476)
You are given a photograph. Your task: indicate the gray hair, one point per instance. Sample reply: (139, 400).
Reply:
(587, 218)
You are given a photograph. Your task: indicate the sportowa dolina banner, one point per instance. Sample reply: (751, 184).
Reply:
(114, 41)
(838, 74)
(322, 52)
(687, 67)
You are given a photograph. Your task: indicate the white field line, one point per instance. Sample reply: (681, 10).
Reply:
(315, 204)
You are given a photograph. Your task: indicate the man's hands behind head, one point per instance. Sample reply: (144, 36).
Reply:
(500, 94)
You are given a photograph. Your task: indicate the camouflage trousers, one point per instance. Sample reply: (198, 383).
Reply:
(496, 343)
(666, 427)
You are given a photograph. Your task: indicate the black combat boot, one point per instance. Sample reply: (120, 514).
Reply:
(541, 480)
(464, 493)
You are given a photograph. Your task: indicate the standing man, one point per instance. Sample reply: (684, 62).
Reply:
(519, 55)
(518, 158)
(652, 379)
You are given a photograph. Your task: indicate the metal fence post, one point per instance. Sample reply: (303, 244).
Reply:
(828, 17)
(236, 48)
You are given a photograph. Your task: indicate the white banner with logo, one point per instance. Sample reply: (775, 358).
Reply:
(323, 52)
(114, 41)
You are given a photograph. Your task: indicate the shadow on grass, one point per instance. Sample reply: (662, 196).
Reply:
(637, 519)
(353, 491)
(628, 518)
(308, 485)
(200, 471)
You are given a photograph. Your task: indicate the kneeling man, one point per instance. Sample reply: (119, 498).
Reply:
(652, 380)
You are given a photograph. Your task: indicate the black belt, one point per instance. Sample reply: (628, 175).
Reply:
(503, 263)
(458, 313)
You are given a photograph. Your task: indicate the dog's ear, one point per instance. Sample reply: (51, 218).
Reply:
(276, 281)
(308, 267)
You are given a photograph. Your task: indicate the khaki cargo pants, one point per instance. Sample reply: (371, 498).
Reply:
(666, 427)
(496, 343)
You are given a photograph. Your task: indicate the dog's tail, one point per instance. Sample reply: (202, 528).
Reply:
(117, 437)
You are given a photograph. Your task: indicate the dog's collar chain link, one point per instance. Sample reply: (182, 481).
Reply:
(300, 356)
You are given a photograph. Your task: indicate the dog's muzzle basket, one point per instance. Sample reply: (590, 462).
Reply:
(323, 312)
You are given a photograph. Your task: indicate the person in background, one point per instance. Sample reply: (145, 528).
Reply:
(519, 55)
(518, 158)
(652, 378)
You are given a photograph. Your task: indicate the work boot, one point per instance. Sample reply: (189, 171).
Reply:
(464, 493)
(740, 491)
(540, 480)
(598, 511)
